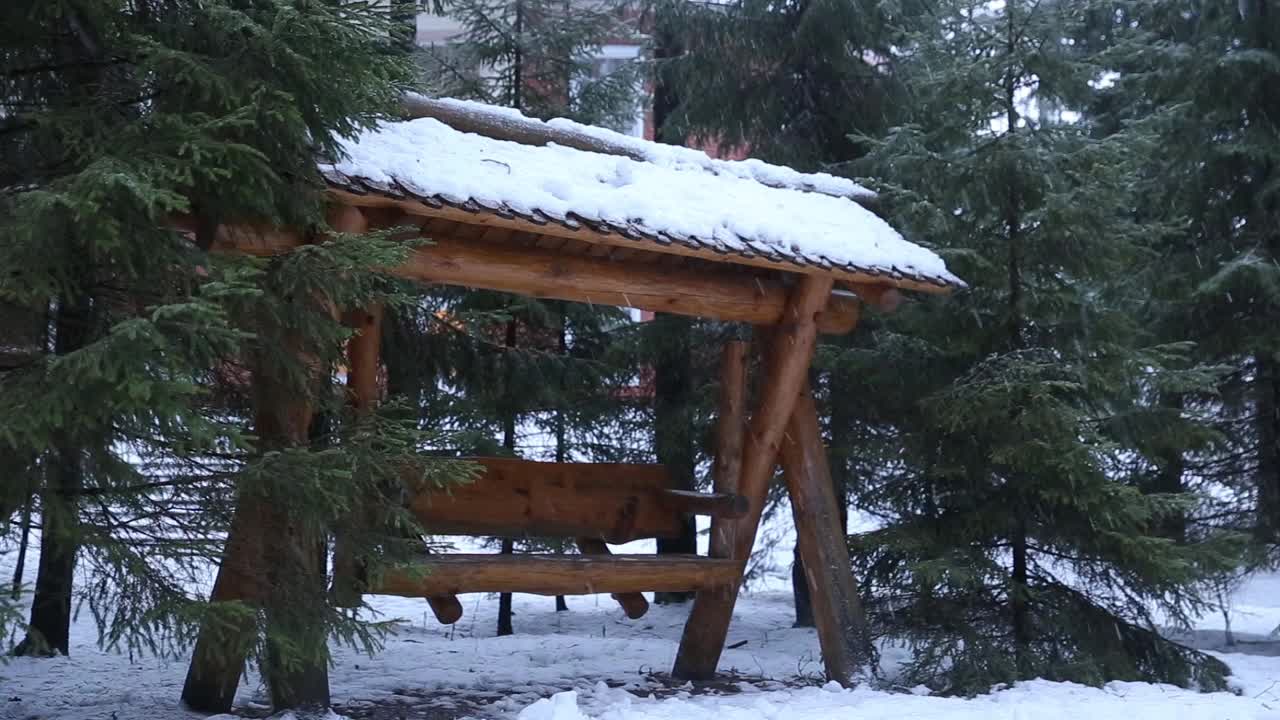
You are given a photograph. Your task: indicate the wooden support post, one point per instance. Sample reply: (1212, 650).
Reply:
(633, 604)
(731, 428)
(789, 353)
(823, 546)
(224, 641)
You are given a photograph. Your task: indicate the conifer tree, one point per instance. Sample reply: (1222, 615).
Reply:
(537, 56)
(118, 123)
(785, 82)
(1202, 80)
(1019, 542)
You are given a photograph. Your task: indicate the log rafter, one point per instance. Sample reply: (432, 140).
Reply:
(457, 259)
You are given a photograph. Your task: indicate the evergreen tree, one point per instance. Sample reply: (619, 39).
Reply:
(787, 82)
(1018, 542)
(1202, 78)
(537, 56)
(117, 120)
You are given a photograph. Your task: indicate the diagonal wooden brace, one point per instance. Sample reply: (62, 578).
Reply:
(824, 550)
(788, 354)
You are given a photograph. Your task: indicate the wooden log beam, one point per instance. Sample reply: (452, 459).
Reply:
(536, 272)
(419, 208)
(634, 604)
(446, 608)
(820, 537)
(789, 353)
(725, 295)
(557, 575)
(885, 298)
(614, 502)
(731, 427)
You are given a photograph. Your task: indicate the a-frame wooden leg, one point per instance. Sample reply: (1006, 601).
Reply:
(223, 644)
(820, 537)
(788, 355)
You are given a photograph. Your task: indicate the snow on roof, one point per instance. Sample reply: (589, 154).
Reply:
(663, 199)
(673, 156)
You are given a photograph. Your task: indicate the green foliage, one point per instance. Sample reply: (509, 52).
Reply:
(786, 81)
(537, 56)
(130, 350)
(1201, 84)
(1022, 536)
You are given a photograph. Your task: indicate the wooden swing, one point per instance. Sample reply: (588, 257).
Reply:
(789, 292)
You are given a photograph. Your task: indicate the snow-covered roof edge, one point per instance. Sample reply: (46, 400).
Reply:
(669, 156)
(429, 167)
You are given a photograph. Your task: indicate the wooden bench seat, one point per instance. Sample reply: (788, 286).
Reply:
(444, 575)
(614, 502)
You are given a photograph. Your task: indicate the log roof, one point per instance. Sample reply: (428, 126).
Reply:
(480, 165)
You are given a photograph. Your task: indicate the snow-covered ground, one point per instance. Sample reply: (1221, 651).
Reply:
(591, 663)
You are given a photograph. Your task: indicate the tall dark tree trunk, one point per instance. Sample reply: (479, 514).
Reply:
(1267, 405)
(24, 538)
(665, 99)
(674, 443)
(508, 442)
(504, 599)
(1168, 478)
(673, 435)
(1019, 593)
(49, 631)
(296, 667)
(800, 591)
(561, 424)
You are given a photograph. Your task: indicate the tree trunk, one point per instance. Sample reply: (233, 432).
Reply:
(296, 666)
(1019, 593)
(800, 591)
(504, 599)
(508, 442)
(673, 382)
(1268, 428)
(1170, 467)
(272, 562)
(24, 539)
(665, 99)
(50, 628)
(673, 428)
(561, 427)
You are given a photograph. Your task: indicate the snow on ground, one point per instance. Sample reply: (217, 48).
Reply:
(593, 664)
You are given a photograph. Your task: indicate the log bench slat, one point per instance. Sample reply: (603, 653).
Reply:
(443, 575)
